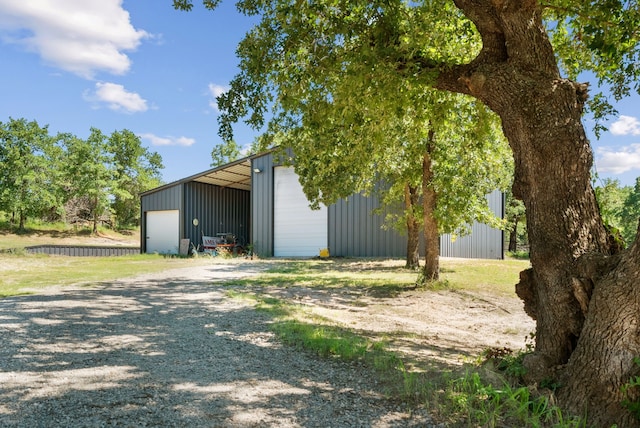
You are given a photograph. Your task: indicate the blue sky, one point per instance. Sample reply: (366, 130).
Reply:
(141, 65)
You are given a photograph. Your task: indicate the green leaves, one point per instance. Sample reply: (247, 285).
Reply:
(28, 169)
(344, 85)
(599, 37)
(187, 5)
(42, 175)
(225, 153)
(620, 207)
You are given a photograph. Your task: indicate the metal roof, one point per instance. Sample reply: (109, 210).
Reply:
(235, 175)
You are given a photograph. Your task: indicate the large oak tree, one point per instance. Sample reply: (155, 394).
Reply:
(583, 294)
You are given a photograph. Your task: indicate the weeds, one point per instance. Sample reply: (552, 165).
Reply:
(481, 395)
(630, 393)
(519, 255)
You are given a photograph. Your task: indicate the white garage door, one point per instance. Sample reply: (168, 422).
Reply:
(163, 231)
(298, 231)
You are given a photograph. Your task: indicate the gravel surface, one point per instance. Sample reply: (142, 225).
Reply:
(170, 350)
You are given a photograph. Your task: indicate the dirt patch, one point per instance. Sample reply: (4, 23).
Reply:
(445, 326)
(173, 350)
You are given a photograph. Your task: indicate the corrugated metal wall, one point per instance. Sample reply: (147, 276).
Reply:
(354, 230)
(484, 242)
(218, 210)
(82, 251)
(262, 205)
(169, 198)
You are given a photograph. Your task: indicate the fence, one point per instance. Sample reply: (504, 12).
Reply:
(82, 251)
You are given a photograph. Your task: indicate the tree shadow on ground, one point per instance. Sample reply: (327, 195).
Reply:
(170, 352)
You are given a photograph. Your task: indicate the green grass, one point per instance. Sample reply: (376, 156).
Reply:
(339, 274)
(379, 279)
(27, 273)
(458, 397)
(493, 276)
(486, 392)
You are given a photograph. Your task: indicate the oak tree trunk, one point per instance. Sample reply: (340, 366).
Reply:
(94, 229)
(22, 220)
(584, 299)
(431, 269)
(411, 199)
(513, 237)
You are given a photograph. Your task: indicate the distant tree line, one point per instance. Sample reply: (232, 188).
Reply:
(66, 178)
(620, 209)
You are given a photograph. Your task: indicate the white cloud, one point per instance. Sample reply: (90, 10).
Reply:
(215, 91)
(117, 98)
(618, 161)
(168, 141)
(625, 125)
(79, 36)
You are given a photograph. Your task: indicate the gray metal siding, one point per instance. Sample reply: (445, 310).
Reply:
(484, 242)
(262, 205)
(355, 231)
(82, 251)
(218, 210)
(169, 198)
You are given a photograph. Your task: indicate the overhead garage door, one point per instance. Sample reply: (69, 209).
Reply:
(298, 231)
(163, 231)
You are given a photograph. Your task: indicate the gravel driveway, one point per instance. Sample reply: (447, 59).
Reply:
(171, 350)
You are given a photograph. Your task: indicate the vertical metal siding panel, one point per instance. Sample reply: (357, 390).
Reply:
(361, 239)
(484, 241)
(357, 232)
(344, 229)
(368, 229)
(255, 206)
(262, 205)
(342, 239)
(354, 225)
(331, 227)
(335, 225)
(187, 212)
(332, 220)
(376, 233)
(363, 217)
(218, 209)
(347, 228)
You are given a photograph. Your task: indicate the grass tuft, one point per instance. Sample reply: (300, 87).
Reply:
(487, 392)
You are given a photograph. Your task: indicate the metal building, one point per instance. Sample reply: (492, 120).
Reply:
(262, 203)
(284, 227)
(213, 202)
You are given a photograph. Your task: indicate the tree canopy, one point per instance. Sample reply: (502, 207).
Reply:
(226, 152)
(310, 66)
(521, 59)
(62, 176)
(28, 184)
